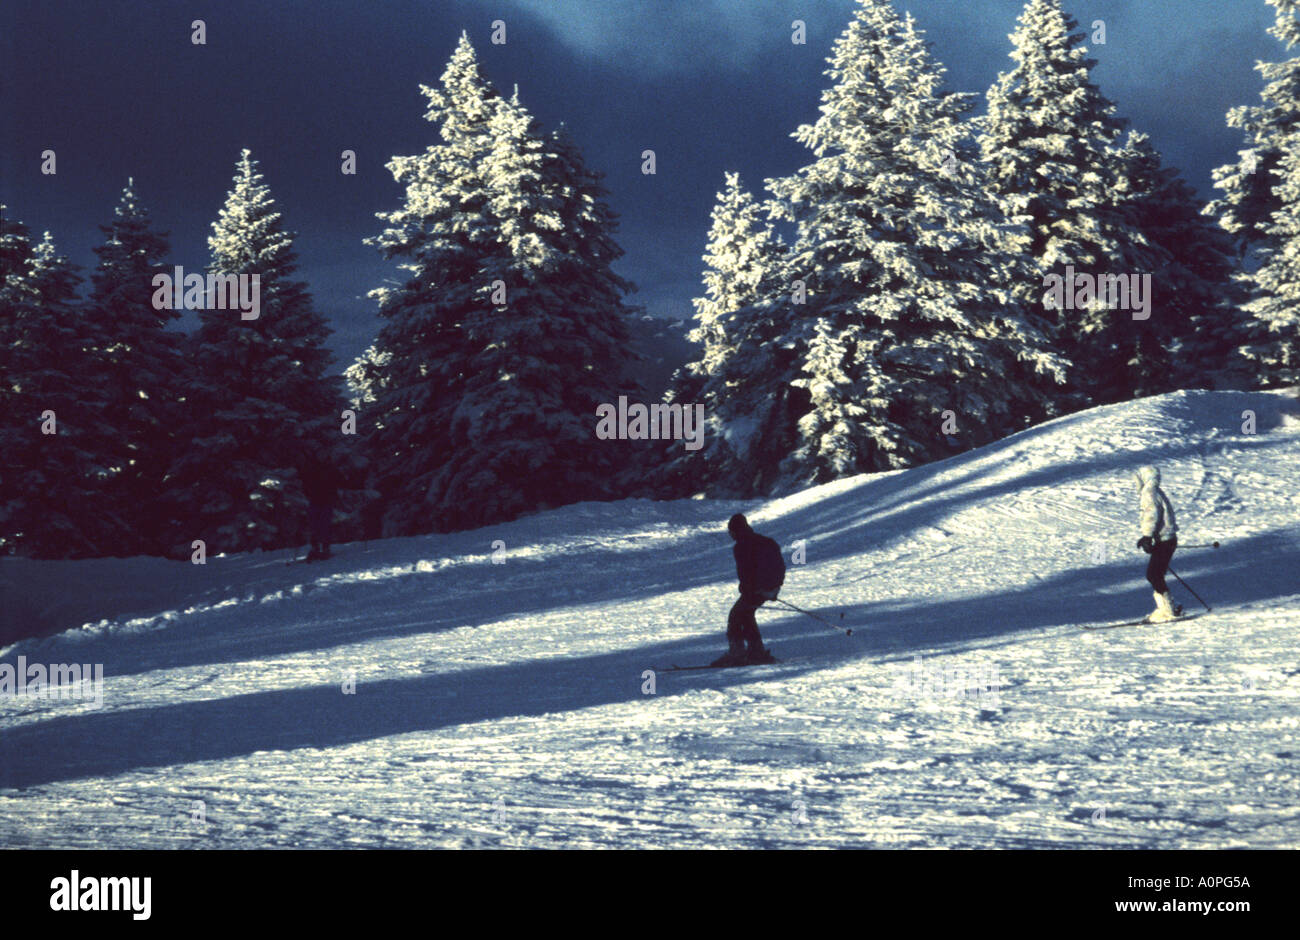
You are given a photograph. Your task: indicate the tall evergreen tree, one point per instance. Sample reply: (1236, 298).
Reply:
(744, 263)
(906, 263)
(52, 429)
(741, 255)
(258, 387)
(1050, 141)
(1272, 345)
(18, 421)
(14, 258)
(1192, 336)
(1258, 209)
(140, 361)
(509, 329)
(1250, 196)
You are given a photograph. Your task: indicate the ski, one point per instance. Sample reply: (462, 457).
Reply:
(1138, 623)
(775, 662)
(308, 561)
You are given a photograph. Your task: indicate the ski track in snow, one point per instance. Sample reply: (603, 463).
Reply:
(501, 705)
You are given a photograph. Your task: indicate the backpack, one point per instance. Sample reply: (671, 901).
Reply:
(769, 564)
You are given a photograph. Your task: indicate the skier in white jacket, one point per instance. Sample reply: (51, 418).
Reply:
(1159, 540)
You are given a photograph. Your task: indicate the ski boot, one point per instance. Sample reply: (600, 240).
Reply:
(734, 656)
(1164, 611)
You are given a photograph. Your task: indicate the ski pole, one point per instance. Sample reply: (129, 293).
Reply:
(847, 630)
(1203, 545)
(1189, 587)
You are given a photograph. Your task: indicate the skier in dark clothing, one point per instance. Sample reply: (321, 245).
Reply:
(761, 571)
(320, 484)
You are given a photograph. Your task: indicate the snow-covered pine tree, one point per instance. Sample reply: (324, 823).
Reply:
(906, 262)
(1272, 345)
(52, 504)
(256, 388)
(509, 329)
(1250, 185)
(1258, 209)
(740, 258)
(15, 254)
(437, 237)
(1195, 326)
(17, 358)
(1049, 141)
(140, 361)
(735, 331)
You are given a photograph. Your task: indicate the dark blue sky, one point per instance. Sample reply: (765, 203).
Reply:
(117, 90)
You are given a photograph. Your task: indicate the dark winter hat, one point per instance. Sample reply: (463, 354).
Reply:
(738, 525)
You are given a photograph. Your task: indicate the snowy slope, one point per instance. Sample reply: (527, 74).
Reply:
(504, 704)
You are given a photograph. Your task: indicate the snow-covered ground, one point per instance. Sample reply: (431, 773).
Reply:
(508, 704)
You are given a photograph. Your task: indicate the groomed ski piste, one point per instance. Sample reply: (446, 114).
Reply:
(508, 704)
